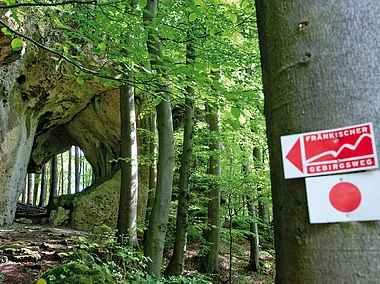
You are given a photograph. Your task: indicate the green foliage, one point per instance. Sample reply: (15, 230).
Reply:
(17, 44)
(105, 260)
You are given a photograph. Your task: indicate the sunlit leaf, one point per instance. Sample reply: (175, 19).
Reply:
(80, 80)
(157, 101)
(233, 18)
(16, 44)
(5, 31)
(236, 112)
(143, 3)
(192, 17)
(102, 46)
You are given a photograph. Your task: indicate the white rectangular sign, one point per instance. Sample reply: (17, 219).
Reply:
(327, 152)
(344, 197)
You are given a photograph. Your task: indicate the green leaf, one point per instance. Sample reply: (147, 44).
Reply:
(157, 101)
(102, 46)
(212, 31)
(233, 18)
(17, 44)
(235, 111)
(59, 24)
(107, 83)
(197, 2)
(143, 3)
(192, 17)
(5, 31)
(80, 80)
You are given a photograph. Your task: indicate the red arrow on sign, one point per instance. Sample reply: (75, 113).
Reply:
(294, 155)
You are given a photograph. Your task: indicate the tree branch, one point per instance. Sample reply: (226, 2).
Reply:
(41, 4)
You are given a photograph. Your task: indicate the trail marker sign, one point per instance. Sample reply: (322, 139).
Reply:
(344, 197)
(327, 152)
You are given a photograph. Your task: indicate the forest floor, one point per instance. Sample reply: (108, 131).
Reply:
(29, 250)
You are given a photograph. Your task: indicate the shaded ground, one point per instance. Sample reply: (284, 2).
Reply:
(27, 250)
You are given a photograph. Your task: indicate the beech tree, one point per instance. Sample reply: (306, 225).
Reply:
(320, 64)
(154, 246)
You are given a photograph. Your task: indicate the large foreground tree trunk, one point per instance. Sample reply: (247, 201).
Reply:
(320, 63)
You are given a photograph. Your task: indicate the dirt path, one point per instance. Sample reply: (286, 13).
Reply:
(26, 251)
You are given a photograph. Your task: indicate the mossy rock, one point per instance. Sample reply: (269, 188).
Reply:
(25, 257)
(98, 206)
(13, 250)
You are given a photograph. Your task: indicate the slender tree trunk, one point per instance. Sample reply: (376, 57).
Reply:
(30, 188)
(53, 180)
(77, 169)
(152, 172)
(154, 247)
(24, 195)
(127, 219)
(69, 173)
(177, 262)
(37, 179)
(254, 263)
(211, 261)
(320, 62)
(43, 188)
(62, 176)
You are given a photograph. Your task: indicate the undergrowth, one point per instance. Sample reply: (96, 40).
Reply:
(105, 260)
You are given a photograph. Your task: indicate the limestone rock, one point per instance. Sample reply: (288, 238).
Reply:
(98, 206)
(59, 216)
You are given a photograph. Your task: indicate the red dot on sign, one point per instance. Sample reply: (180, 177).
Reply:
(345, 197)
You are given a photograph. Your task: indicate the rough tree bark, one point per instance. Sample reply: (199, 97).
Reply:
(320, 62)
(161, 206)
(127, 218)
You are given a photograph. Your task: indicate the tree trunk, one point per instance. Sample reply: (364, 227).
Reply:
(320, 62)
(254, 263)
(77, 169)
(127, 219)
(154, 247)
(69, 173)
(42, 202)
(211, 261)
(62, 176)
(176, 264)
(152, 172)
(30, 188)
(53, 180)
(16, 141)
(37, 179)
